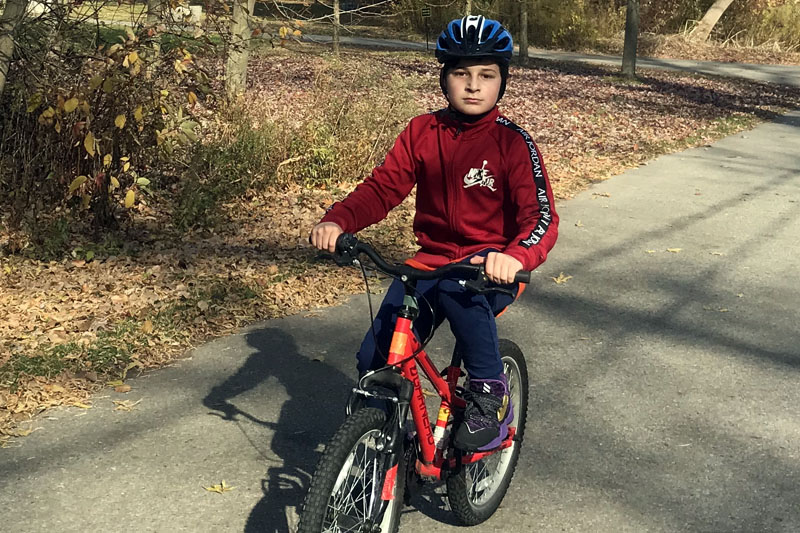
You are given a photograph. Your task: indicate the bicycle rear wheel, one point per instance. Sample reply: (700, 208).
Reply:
(476, 490)
(345, 493)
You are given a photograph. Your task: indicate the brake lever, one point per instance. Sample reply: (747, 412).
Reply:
(346, 253)
(479, 285)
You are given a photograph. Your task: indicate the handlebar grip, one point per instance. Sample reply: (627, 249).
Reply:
(345, 242)
(523, 276)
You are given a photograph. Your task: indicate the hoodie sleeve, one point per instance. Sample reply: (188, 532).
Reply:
(532, 197)
(387, 186)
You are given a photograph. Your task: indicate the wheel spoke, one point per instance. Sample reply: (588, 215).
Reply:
(354, 497)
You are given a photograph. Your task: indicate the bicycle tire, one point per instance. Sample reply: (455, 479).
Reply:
(470, 505)
(342, 495)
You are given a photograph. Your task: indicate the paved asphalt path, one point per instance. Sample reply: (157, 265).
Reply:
(664, 390)
(783, 74)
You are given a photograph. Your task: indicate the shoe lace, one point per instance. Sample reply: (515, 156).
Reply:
(485, 404)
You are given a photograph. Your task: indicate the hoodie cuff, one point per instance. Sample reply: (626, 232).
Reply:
(527, 256)
(339, 216)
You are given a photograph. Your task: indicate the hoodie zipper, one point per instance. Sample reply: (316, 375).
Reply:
(452, 183)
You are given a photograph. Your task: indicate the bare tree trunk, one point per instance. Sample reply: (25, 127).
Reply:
(631, 39)
(468, 8)
(10, 20)
(239, 53)
(703, 29)
(523, 32)
(336, 13)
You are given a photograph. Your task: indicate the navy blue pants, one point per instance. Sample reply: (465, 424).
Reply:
(471, 317)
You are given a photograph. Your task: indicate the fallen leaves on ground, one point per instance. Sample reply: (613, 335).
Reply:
(674, 250)
(678, 46)
(219, 489)
(125, 405)
(561, 279)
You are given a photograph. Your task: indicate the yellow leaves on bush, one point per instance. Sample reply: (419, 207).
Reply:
(34, 102)
(297, 33)
(114, 184)
(71, 105)
(107, 159)
(283, 32)
(180, 68)
(95, 82)
(192, 98)
(47, 116)
(138, 113)
(89, 143)
(130, 197)
(77, 182)
(120, 121)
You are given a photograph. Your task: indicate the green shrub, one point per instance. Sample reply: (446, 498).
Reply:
(89, 116)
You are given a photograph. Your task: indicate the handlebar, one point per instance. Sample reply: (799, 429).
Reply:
(348, 248)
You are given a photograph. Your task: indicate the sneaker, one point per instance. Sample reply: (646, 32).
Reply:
(487, 416)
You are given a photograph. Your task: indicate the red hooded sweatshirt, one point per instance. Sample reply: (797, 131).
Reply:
(479, 185)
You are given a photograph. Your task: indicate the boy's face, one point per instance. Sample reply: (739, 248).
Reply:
(473, 85)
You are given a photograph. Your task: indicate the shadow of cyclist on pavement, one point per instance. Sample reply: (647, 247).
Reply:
(309, 413)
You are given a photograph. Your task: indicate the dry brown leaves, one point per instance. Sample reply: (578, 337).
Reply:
(679, 47)
(588, 124)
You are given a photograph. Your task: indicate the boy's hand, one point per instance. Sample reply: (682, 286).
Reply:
(500, 268)
(324, 236)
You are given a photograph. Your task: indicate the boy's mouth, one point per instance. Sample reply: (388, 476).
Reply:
(472, 100)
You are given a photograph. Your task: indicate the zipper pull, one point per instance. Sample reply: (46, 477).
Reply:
(458, 132)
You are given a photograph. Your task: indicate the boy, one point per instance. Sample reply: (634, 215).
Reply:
(483, 196)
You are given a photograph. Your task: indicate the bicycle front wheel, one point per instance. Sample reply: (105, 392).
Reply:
(477, 489)
(346, 491)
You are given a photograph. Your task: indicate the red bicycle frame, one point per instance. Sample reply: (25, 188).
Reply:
(401, 352)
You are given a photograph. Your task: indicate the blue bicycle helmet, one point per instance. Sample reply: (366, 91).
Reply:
(474, 36)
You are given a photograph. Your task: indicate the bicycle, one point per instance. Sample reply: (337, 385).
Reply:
(361, 478)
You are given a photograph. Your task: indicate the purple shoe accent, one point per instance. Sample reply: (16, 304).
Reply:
(503, 429)
(481, 430)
